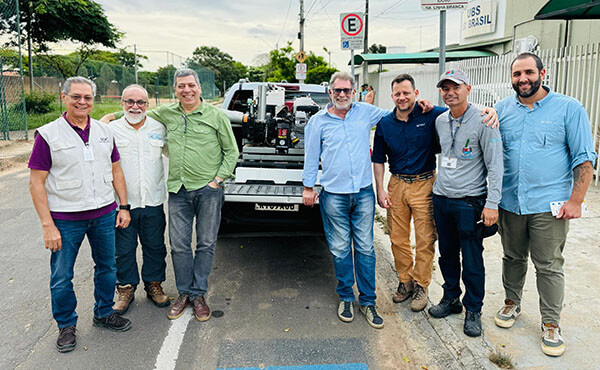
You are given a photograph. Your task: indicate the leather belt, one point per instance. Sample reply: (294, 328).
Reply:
(415, 178)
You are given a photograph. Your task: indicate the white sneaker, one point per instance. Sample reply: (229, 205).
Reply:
(346, 311)
(505, 318)
(552, 342)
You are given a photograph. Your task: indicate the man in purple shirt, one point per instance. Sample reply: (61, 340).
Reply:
(74, 173)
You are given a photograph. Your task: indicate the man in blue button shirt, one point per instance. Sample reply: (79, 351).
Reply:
(339, 136)
(406, 137)
(548, 156)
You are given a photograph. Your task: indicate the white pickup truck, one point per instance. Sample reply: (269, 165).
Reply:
(268, 120)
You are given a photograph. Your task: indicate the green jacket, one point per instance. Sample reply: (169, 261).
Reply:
(201, 145)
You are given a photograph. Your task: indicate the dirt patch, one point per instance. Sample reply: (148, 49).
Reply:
(14, 154)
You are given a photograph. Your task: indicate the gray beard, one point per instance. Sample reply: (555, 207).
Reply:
(134, 119)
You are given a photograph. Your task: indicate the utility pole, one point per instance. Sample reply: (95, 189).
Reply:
(366, 44)
(135, 66)
(301, 33)
(442, 65)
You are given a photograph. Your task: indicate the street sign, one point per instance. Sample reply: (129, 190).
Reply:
(443, 4)
(301, 57)
(352, 31)
(300, 71)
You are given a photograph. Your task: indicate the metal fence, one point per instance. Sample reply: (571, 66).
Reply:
(573, 71)
(13, 116)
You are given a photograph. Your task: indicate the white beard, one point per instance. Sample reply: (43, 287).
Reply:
(134, 118)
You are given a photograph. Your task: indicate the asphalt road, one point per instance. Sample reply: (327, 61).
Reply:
(273, 301)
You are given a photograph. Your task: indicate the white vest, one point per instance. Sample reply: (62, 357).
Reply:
(75, 184)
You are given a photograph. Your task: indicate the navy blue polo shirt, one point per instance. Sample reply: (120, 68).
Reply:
(410, 146)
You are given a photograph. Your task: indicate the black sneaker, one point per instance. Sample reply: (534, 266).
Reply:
(113, 322)
(66, 339)
(346, 311)
(445, 308)
(472, 324)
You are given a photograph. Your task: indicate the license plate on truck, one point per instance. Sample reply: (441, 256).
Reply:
(277, 207)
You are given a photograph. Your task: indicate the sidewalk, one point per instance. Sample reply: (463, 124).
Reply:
(579, 323)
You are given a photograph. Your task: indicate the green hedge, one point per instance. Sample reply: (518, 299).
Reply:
(39, 102)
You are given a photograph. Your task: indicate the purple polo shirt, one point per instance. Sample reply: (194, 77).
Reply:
(42, 160)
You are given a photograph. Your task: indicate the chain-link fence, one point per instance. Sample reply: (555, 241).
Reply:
(13, 117)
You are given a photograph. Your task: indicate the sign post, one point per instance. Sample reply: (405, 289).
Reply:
(442, 6)
(352, 34)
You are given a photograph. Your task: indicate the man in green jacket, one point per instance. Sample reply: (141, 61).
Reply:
(202, 153)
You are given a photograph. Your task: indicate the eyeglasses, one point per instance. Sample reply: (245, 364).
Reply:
(131, 103)
(339, 91)
(87, 98)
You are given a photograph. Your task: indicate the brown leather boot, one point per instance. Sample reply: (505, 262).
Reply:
(419, 299)
(178, 307)
(126, 295)
(201, 310)
(155, 293)
(404, 292)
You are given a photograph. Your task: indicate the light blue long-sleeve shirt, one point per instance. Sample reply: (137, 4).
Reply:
(542, 146)
(342, 145)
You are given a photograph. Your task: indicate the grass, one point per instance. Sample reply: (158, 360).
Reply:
(383, 221)
(100, 109)
(501, 359)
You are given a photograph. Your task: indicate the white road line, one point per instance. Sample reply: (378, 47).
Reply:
(169, 351)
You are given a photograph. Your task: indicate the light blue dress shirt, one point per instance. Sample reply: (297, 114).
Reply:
(342, 145)
(542, 146)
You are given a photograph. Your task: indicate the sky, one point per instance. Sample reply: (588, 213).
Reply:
(247, 29)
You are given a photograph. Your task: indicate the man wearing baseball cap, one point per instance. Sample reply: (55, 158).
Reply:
(463, 202)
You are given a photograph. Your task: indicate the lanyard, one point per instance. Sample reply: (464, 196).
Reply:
(453, 132)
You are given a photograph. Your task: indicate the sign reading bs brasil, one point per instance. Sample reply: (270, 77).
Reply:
(352, 31)
(479, 18)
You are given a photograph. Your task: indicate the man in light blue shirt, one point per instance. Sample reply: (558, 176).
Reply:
(548, 162)
(339, 136)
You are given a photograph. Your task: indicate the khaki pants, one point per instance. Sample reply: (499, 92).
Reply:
(543, 236)
(412, 200)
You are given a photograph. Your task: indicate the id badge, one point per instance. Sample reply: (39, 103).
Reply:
(88, 154)
(449, 162)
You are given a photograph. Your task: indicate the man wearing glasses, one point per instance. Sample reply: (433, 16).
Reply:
(339, 137)
(202, 154)
(74, 172)
(140, 140)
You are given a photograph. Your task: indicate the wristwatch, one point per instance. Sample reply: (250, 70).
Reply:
(218, 182)
(126, 207)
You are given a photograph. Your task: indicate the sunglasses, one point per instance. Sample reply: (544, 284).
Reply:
(339, 91)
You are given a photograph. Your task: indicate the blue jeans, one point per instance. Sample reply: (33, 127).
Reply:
(101, 236)
(455, 220)
(191, 271)
(347, 221)
(149, 224)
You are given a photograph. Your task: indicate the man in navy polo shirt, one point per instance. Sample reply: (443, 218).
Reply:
(406, 137)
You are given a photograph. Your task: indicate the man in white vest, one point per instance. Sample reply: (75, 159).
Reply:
(74, 173)
(140, 140)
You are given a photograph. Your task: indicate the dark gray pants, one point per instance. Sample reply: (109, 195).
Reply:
(543, 236)
(192, 269)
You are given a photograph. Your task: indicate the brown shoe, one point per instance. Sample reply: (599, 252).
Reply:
(126, 296)
(178, 306)
(419, 298)
(155, 293)
(201, 310)
(66, 339)
(403, 292)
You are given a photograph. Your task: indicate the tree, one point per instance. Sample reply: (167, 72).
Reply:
(282, 66)
(377, 49)
(47, 21)
(165, 75)
(226, 70)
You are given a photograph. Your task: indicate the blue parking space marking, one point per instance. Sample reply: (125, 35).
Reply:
(306, 367)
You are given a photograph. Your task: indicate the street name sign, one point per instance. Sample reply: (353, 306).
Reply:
(443, 4)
